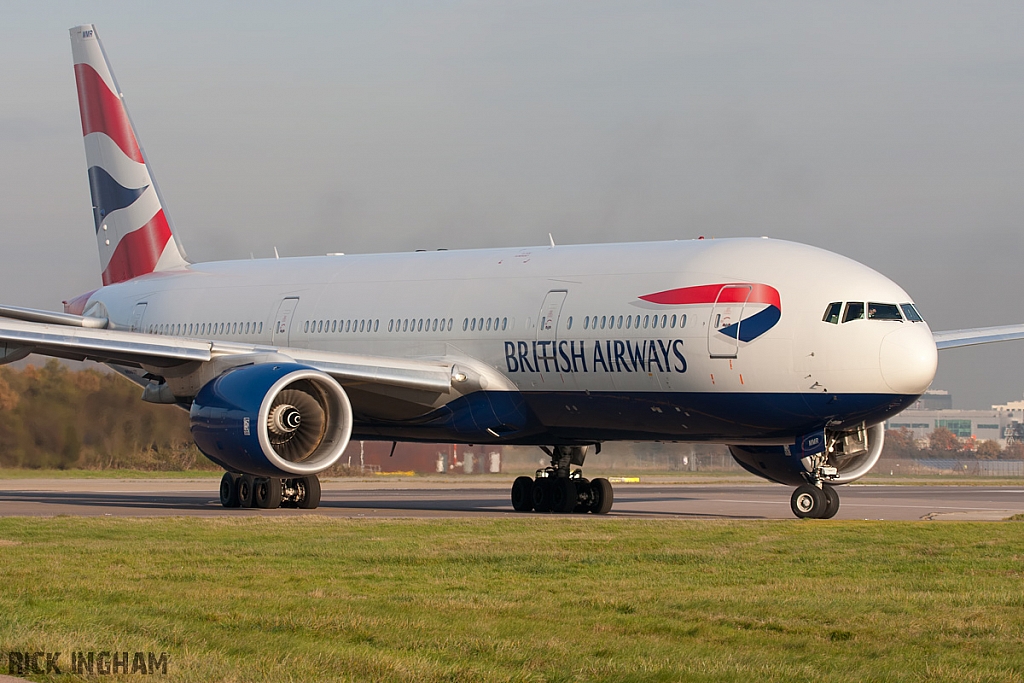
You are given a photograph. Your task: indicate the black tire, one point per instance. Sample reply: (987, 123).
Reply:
(246, 493)
(563, 495)
(522, 494)
(808, 502)
(603, 496)
(582, 495)
(831, 501)
(542, 494)
(268, 493)
(229, 490)
(310, 493)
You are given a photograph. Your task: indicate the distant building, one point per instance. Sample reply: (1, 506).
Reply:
(934, 399)
(981, 424)
(1002, 423)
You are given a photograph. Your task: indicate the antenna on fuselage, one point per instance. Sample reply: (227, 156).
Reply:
(552, 238)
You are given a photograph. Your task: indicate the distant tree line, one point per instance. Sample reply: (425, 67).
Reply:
(943, 444)
(54, 417)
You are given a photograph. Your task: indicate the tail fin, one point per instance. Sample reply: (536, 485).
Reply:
(132, 230)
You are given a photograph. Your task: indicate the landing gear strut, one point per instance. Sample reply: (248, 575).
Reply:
(815, 502)
(268, 493)
(558, 489)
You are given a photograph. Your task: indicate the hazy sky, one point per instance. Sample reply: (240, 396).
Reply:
(892, 133)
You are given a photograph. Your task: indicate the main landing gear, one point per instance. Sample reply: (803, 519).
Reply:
(815, 502)
(557, 489)
(247, 491)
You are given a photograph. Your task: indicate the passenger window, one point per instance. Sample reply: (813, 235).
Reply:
(832, 313)
(620, 323)
(854, 311)
(636, 322)
(884, 312)
(629, 321)
(682, 321)
(911, 314)
(647, 321)
(673, 321)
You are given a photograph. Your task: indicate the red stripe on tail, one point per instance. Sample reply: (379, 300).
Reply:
(102, 112)
(138, 252)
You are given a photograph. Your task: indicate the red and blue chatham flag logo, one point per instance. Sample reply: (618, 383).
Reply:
(750, 296)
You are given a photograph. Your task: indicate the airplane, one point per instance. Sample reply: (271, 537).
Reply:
(280, 362)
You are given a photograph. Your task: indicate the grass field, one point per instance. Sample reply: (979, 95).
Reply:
(557, 599)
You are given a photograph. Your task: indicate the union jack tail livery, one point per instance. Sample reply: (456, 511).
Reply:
(132, 230)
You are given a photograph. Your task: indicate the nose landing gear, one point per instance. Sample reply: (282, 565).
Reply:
(557, 489)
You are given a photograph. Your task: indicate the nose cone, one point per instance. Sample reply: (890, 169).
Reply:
(908, 358)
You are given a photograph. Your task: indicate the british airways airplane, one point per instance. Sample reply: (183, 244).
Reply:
(281, 361)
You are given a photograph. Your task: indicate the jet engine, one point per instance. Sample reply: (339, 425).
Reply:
(272, 420)
(841, 457)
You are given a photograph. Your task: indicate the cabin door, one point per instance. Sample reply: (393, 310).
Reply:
(283, 322)
(135, 324)
(547, 329)
(726, 318)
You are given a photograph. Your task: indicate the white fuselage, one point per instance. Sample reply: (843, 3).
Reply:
(568, 327)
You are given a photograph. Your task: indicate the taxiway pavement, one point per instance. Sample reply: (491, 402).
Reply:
(433, 498)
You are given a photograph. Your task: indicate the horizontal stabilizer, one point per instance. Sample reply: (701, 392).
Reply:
(33, 315)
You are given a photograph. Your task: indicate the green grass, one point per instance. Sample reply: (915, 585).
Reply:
(522, 599)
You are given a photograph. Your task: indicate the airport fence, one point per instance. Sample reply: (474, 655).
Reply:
(969, 468)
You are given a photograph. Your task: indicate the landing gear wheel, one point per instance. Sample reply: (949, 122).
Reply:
(268, 493)
(229, 490)
(808, 502)
(542, 494)
(602, 496)
(831, 501)
(582, 495)
(563, 495)
(310, 497)
(245, 491)
(522, 494)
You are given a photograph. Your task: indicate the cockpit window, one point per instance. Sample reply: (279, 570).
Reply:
(911, 314)
(832, 312)
(884, 312)
(854, 311)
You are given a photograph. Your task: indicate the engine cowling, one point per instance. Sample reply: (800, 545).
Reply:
(272, 419)
(852, 453)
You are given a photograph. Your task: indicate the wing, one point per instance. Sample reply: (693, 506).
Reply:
(408, 385)
(952, 339)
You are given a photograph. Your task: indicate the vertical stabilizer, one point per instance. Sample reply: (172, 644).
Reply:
(132, 230)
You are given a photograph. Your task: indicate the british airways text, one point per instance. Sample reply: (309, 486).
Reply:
(600, 355)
